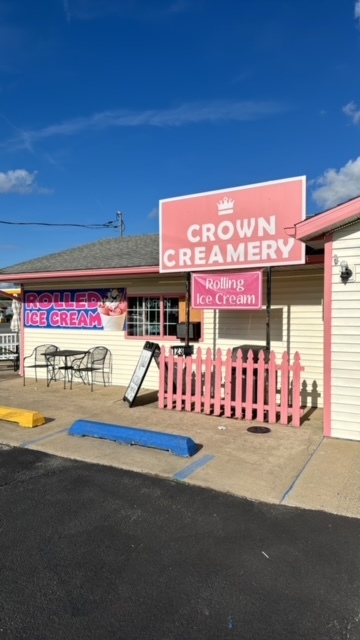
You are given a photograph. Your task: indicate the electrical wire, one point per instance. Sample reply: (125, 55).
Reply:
(107, 225)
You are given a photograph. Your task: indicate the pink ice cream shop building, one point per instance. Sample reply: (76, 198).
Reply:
(250, 308)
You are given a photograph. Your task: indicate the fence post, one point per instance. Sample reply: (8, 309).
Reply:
(179, 382)
(297, 368)
(272, 388)
(239, 385)
(198, 380)
(260, 386)
(208, 381)
(170, 385)
(249, 386)
(218, 381)
(162, 381)
(228, 383)
(188, 389)
(284, 394)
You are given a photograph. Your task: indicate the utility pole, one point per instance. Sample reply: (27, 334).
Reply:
(121, 222)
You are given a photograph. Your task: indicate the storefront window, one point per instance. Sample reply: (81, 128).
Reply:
(152, 316)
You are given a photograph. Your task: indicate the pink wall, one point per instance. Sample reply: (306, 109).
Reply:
(327, 333)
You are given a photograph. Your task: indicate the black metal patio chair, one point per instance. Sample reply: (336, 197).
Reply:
(40, 358)
(97, 360)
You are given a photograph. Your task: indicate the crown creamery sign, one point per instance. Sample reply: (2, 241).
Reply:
(241, 227)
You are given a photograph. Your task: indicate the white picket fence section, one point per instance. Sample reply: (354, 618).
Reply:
(8, 345)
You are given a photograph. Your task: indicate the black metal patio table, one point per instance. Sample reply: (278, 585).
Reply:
(65, 354)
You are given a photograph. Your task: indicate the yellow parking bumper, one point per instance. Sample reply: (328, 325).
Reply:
(23, 417)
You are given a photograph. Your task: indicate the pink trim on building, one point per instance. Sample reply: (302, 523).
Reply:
(80, 274)
(327, 221)
(22, 335)
(316, 259)
(104, 273)
(327, 334)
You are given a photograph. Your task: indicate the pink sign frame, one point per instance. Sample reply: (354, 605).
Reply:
(236, 228)
(227, 291)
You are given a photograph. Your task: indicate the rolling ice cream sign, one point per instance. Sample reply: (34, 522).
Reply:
(221, 291)
(242, 227)
(101, 309)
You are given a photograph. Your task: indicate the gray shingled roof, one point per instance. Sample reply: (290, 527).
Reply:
(117, 253)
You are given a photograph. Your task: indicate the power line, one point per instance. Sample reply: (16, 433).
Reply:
(113, 224)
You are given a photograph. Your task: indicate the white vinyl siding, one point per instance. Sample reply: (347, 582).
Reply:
(345, 337)
(296, 325)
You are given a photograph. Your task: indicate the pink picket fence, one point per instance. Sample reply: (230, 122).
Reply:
(266, 390)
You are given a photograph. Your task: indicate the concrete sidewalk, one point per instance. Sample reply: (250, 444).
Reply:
(287, 466)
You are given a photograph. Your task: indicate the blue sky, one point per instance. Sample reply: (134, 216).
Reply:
(111, 105)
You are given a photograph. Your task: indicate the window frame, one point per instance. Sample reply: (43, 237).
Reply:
(161, 296)
(161, 337)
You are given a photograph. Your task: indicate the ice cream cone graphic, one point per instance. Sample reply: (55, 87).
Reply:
(113, 311)
(113, 323)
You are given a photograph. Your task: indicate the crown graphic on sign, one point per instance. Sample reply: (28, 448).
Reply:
(225, 206)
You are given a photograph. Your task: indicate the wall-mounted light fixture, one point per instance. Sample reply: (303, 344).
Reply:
(345, 272)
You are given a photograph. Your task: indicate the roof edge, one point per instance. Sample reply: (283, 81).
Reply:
(80, 274)
(327, 221)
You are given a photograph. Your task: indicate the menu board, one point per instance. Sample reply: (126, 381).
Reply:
(149, 350)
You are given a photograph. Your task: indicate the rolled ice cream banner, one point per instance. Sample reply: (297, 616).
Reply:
(231, 292)
(98, 309)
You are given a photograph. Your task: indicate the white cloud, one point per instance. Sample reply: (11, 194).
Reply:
(18, 181)
(351, 109)
(335, 187)
(154, 213)
(357, 10)
(186, 114)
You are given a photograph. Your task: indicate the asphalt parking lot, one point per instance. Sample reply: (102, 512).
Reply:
(297, 467)
(95, 552)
